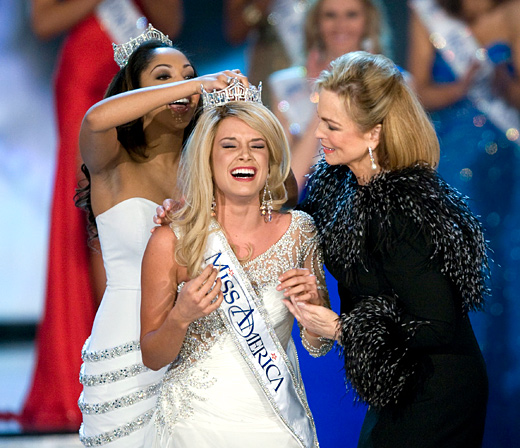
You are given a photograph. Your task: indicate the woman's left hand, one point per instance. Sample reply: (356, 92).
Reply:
(315, 319)
(300, 285)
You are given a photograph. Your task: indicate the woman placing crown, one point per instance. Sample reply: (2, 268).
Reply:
(131, 144)
(210, 307)
(75, 276)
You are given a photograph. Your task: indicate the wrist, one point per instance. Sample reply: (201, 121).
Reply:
(175, 320)
(316, 345)
(196, 86)
(311, 333)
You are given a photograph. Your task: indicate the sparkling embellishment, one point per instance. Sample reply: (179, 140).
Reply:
(316, 352)
(111, 377)
(117, 433)
(234, 92)
(121, 402)
(109, 353)
(123, 51)
(185, 381)
(296, 246)
(180, 388)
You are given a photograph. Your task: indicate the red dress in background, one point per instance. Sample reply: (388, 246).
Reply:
(84, 70)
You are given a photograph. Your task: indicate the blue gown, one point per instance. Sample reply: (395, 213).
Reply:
(479, 160)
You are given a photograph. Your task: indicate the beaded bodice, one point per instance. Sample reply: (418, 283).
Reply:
(186, 378)
(296, 248)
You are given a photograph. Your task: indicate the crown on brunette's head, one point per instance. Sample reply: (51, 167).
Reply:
(123, 51)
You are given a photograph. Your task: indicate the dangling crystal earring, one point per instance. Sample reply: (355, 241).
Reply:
(372, 160)
(213, 207)
(266, 209)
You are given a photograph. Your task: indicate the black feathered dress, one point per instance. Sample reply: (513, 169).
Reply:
(410, 260)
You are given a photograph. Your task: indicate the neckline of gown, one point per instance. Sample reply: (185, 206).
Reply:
(124, 202)
(272, 247)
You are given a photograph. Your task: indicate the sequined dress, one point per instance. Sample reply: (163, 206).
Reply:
(119, 392)
(209, 397)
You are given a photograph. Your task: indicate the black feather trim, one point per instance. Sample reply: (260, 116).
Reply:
(378, 363)
(344, 213)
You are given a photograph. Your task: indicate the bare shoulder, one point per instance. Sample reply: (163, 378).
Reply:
(162, 241)
(159, 261)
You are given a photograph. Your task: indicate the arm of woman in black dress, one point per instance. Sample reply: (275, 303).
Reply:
(417, 309)
(422, 291)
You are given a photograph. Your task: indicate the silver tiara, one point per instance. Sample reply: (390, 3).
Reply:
(236, 91)
(123, 51)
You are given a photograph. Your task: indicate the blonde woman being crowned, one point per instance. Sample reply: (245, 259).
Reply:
(212, 310)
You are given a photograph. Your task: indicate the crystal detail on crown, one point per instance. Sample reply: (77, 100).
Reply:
(236, 91)
(123, 51)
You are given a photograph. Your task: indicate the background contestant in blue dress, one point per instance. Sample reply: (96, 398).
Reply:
(464, 58)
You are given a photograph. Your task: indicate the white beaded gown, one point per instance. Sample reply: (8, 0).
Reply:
(210, 397)
(119, 392)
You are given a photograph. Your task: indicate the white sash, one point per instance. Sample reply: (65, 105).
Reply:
(121, 20)
(293, 90)
(248, 323)
(289, 19)
(459, 49)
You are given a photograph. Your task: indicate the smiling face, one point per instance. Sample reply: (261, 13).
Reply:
(240, 162)
(170, 65)
(342, 26)
(342, 141)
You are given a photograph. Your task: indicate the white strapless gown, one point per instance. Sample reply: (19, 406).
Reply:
(119, 393)
(210, 397)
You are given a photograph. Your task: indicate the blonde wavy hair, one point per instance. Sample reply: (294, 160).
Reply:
(195, 179)
(375, 92)
(377, 33)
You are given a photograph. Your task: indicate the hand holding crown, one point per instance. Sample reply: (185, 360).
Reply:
(220, 80)
(237, 89)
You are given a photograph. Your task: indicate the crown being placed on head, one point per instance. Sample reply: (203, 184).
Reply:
(123, 51)
(236, 91)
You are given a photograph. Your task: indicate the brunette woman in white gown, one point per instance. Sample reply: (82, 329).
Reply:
(217, 391)
(131, 144)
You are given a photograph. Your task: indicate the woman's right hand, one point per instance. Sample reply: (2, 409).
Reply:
(220, 80)
(316, 319)
(198, 297)
(161, 212)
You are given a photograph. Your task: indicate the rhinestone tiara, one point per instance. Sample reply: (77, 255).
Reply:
(236, 91)
(123, 51)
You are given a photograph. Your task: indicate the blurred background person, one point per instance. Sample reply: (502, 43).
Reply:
(464, 57)
(273, 30)
(75, 274)
(332, 28)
